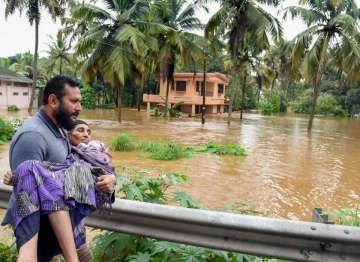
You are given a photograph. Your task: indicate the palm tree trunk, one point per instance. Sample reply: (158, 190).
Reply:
(243, 98)
(319, 74)
(259, 82)
(33, 89)
(140, 91)
(232, 93)
(119, 115)
(167, 96)
(203, 90)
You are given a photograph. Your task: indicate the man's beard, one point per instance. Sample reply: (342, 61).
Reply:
(64, 118)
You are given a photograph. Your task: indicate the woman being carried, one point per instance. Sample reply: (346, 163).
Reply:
(72, 187)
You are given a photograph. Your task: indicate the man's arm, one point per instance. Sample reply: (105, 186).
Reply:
(28, 146)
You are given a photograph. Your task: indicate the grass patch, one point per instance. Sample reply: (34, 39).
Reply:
(123, 142)
(7, 253)
(214, 148)
(171, 151)
(6, 131)
(164, 151)
(347, 216)
(13, 108)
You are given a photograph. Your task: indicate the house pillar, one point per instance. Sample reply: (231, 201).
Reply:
(193, 113)
(221, 109)
(148, 106)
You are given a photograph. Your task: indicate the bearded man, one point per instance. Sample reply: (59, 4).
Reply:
(44, 137)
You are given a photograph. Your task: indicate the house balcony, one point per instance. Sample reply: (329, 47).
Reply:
(187, 100)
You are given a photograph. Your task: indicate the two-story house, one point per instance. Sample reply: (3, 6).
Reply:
(187, 89)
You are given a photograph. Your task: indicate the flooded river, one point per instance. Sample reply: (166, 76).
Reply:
(287, 171)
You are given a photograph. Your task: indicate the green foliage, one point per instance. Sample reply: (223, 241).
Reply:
(123, 142)
(347, 216)
(6, 131)
(109, 106)
(185, 200)
(326, 104)
(137, 185)
(13, 108)
(214, 148)
(171, 151)
(269, 106)
(155, 112)
(164, 151)
(7, 253)
(15, 123)
(88, 97)
(352, 101)
(174, 111)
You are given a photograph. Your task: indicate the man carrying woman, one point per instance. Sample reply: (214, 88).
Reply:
(43, 138)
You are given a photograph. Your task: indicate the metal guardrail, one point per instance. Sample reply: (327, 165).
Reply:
(277, 238)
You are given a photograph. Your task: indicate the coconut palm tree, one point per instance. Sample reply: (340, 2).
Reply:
(59, 52)
(178, 44)
(33, 8)
(236, 18)
(113, 40)
(332, 25)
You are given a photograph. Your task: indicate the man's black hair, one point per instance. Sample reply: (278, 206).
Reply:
(56, 86)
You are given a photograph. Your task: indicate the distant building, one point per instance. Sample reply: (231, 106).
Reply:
(187, 89)
(14, 90)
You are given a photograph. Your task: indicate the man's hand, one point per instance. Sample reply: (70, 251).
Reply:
(106, 183)
(7, 180)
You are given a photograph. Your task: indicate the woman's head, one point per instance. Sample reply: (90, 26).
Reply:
(79, 133)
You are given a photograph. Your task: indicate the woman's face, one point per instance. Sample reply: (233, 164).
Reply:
(80, 134)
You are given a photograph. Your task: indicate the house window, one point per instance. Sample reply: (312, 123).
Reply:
(25, 93)
(221, 88)
(21, 84)
(199, 85)
(15, 94)
(0, 93)
(181, 86)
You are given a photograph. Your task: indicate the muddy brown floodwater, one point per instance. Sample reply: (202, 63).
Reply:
(287, 171)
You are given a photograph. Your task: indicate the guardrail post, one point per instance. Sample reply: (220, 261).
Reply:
(319, 217)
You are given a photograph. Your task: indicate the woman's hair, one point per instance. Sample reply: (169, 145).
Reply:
(77, 122)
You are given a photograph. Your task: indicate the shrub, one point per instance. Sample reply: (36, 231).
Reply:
(155, 111)
(231, 149)
(347, 216)
(16, 122)
(326, 104)
(13, 108)
(134, 185)
(123, 142)
(7, 253)
(109, 106)
(88, 97)
(6, 131)
(352, 101)
(164, 151)
(269, 106)
(266, 107)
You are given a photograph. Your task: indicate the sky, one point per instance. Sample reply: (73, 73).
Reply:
(17, 36)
